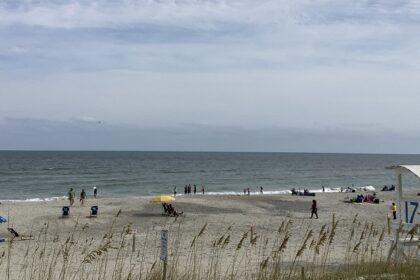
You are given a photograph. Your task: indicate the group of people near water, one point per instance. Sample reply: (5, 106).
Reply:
(188, 189)
(368, 198)
(247, 191)
(71, 195)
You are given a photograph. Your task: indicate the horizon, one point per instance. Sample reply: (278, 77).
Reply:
(227, 152)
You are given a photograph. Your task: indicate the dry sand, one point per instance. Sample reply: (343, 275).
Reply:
(222, 214)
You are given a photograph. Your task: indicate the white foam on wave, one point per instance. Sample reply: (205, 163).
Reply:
(271, 192)
(336, 189)
(367, 188)
(242, 193)
(36, 199)
(280, 192)
(327, 190)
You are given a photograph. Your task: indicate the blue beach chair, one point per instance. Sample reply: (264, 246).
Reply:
(3, 220)
(66, 212)
(94, 211)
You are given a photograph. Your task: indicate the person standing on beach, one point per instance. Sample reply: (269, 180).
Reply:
(394, 210)
(314, 209)
(71, 196)
(95, 192)
(249, 193)
(82, 197)
(175, 191)
(195, 189)
(261, 190)
(185, 189)
(202, 189)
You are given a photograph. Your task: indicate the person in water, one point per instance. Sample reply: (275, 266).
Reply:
(314, 209)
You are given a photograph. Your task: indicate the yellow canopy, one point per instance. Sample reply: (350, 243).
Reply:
(162, 198)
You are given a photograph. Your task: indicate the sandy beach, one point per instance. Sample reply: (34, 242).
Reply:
(220, 216)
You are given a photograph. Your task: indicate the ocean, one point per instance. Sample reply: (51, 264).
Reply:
(39, 175)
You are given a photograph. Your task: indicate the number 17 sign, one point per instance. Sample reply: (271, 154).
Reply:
(411, 211)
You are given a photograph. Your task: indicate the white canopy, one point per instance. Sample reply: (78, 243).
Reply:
(415, 169)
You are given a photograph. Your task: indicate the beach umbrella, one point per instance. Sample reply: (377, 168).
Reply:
(162, 198)
(2, 220)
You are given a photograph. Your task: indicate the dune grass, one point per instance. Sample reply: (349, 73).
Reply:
(231, 253)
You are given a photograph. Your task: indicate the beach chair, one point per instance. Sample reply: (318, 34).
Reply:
(166, 211)
(18, 236)
(93, 211)
(66, 212)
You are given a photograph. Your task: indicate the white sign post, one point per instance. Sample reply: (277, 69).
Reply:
(411, 211)
(408, 215)
(164, 250)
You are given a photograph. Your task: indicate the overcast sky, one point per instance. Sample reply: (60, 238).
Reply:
(225, 75)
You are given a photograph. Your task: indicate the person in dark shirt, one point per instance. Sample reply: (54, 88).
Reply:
(314, 209)
(82, 196)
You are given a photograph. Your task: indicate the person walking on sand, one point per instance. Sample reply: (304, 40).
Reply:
(82, 197)
(314, 209)
(261, 190)
(394, 210)
(95, 192)
(249, 192)
(71, 196)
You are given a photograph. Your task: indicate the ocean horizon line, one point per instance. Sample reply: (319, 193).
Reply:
(203, 151)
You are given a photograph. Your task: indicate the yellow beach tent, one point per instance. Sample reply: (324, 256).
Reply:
(162, 198)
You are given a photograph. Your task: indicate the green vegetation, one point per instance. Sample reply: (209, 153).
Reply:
(231, 254)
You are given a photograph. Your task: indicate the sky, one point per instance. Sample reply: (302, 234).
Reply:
(210, 75)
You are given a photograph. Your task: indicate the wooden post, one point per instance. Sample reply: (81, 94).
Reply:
(164, 270)
(399, 197)
(164, 250)
(134, 241)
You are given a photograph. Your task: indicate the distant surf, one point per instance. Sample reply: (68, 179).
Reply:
(42, 176)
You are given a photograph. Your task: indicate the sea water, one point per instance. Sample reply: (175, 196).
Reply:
(35, 175)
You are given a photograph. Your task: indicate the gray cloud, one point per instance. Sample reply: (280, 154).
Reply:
(312, 68)
(30, 134)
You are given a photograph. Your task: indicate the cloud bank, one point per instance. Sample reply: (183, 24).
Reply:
(299, 65)
(81, 134)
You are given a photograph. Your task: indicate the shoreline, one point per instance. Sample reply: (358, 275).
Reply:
(328, 190)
